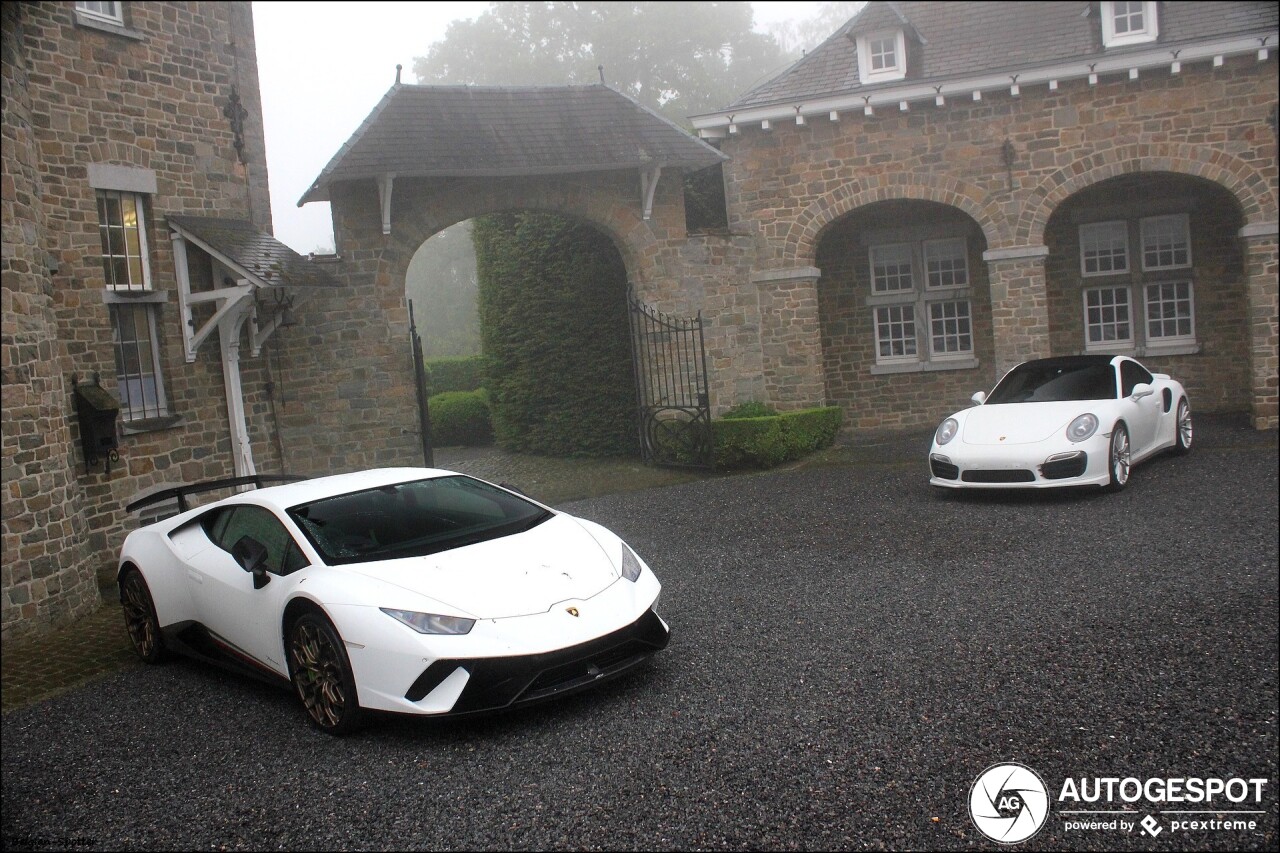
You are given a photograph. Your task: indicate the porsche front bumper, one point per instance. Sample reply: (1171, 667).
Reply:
(1033, 466)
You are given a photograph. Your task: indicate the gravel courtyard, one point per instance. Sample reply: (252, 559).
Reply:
(849, 651)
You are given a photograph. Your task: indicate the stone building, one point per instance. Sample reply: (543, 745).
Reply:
(938, 191)
(135, 210)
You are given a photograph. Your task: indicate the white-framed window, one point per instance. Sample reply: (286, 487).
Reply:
(882, 56)
(102, 10)
(124, 240)
(920, 303)
(1104, 248)
(1125, 23)
(138, 376)
(1145, 307)
(1166, 242)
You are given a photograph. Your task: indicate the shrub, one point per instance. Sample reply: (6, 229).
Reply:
(460, 417)
(455, 373)
(763, 442)
(750, 410)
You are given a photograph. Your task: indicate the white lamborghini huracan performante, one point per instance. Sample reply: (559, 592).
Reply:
(1081, 420)
(410, 590)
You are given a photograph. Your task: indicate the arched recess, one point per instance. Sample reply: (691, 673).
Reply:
(904, 306)
(1252, 191)
(800, 244)
(1150, 264)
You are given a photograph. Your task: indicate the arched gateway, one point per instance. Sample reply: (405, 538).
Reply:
(431, 156)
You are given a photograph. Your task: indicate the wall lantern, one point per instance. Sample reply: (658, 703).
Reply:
(97, 411)
(1008, 154)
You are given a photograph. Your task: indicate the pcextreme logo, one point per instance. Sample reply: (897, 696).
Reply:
(1009, 803)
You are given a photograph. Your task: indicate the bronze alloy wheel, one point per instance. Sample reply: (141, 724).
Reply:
(321, 675)
(140, 617)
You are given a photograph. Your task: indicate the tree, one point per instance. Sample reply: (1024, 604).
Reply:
(802, 35)
(677, 58)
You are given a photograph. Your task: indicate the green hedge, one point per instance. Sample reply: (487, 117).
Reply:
(455, 373)
(460, 418)
(763, 442)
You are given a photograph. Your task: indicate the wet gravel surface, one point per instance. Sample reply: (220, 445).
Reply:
(849, 652)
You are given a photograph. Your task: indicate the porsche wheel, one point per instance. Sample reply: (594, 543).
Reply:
(322, 676)
(140, 617)
(1118, 458)
(1182, 443)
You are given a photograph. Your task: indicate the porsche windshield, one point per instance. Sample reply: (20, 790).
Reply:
(413, 519)
(1053, 381)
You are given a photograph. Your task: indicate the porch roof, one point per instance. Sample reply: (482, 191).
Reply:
(252, 253)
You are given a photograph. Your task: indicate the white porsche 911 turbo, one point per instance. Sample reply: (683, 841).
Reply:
(410, 590)
(1069, 421)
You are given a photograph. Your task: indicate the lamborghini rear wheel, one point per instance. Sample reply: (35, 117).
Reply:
(140, 617)
(321, 674)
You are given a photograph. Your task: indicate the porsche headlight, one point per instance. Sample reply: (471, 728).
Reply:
(1082, 428)
(630, 564)
(946, 431)
(430, 623)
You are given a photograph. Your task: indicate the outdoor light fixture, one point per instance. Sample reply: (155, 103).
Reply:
(1007, 155)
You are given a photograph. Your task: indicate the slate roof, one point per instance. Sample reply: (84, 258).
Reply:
(959, 39)
(256, 252)
(490, 131)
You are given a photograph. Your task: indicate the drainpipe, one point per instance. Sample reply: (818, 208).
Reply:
(229, 329)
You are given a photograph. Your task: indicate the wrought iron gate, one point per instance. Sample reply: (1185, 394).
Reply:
(670, 360)
(420, 383)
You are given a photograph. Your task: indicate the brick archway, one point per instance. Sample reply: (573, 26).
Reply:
(800, 244)
(1250, 188)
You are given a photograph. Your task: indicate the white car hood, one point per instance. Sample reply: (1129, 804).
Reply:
(1004, 424)
(515, 575)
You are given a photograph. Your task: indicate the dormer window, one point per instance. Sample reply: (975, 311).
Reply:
(1125, 23)
(882, 56)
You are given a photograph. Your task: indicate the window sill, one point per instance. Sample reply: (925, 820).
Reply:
(924, 366)
(91, 23)
(144, 425)
(1190, 348)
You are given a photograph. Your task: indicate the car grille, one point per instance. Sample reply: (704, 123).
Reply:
(1061, 469)
(943, 470)
(1005, 475)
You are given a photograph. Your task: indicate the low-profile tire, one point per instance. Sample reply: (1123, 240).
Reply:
(1119, 459)
(140, 618)
(321, 675)
(1183, 430)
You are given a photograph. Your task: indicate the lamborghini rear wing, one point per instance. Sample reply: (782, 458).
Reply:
(179, 493)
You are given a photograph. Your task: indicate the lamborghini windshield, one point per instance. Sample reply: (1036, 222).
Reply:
(413, 519)
(1054, 380)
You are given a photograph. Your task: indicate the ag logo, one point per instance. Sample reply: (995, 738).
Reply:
(1008, 803)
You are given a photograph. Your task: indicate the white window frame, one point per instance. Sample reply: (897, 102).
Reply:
(897, 71)
(1158, 341)
(1108, 344)
(139, 229)
(148, 382)
(1110, 228)
(102, 10)
(920, 299)
(1147, 225)
(1149, 32)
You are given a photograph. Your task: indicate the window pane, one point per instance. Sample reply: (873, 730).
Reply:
(1165, 242)
(137, 365)
(120, 227)
(891, 268)
(951, 329)
(1128, 18)
(896, 332)
(1107, 316)
(1169, 310)
(884, 53)
(1104, 248)
(946, 264)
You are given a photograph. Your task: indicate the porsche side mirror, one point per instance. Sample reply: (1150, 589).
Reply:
(1142, 389)
(252, 557)
(979, 398)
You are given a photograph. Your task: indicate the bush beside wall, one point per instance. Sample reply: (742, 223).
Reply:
(764, 442)
(455, 373)
(460, 418)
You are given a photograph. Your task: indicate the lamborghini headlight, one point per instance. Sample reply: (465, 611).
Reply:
(1082, 428)
(630, 564)
(946, 431)
(430, 623)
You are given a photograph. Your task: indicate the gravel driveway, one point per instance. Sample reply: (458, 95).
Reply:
(849, 652)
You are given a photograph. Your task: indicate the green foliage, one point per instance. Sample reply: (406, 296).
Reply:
(441, 284)
(455, 373)
(764, 442)
(704, 203)
(553, 321)
(460, 418)
(753, 409)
